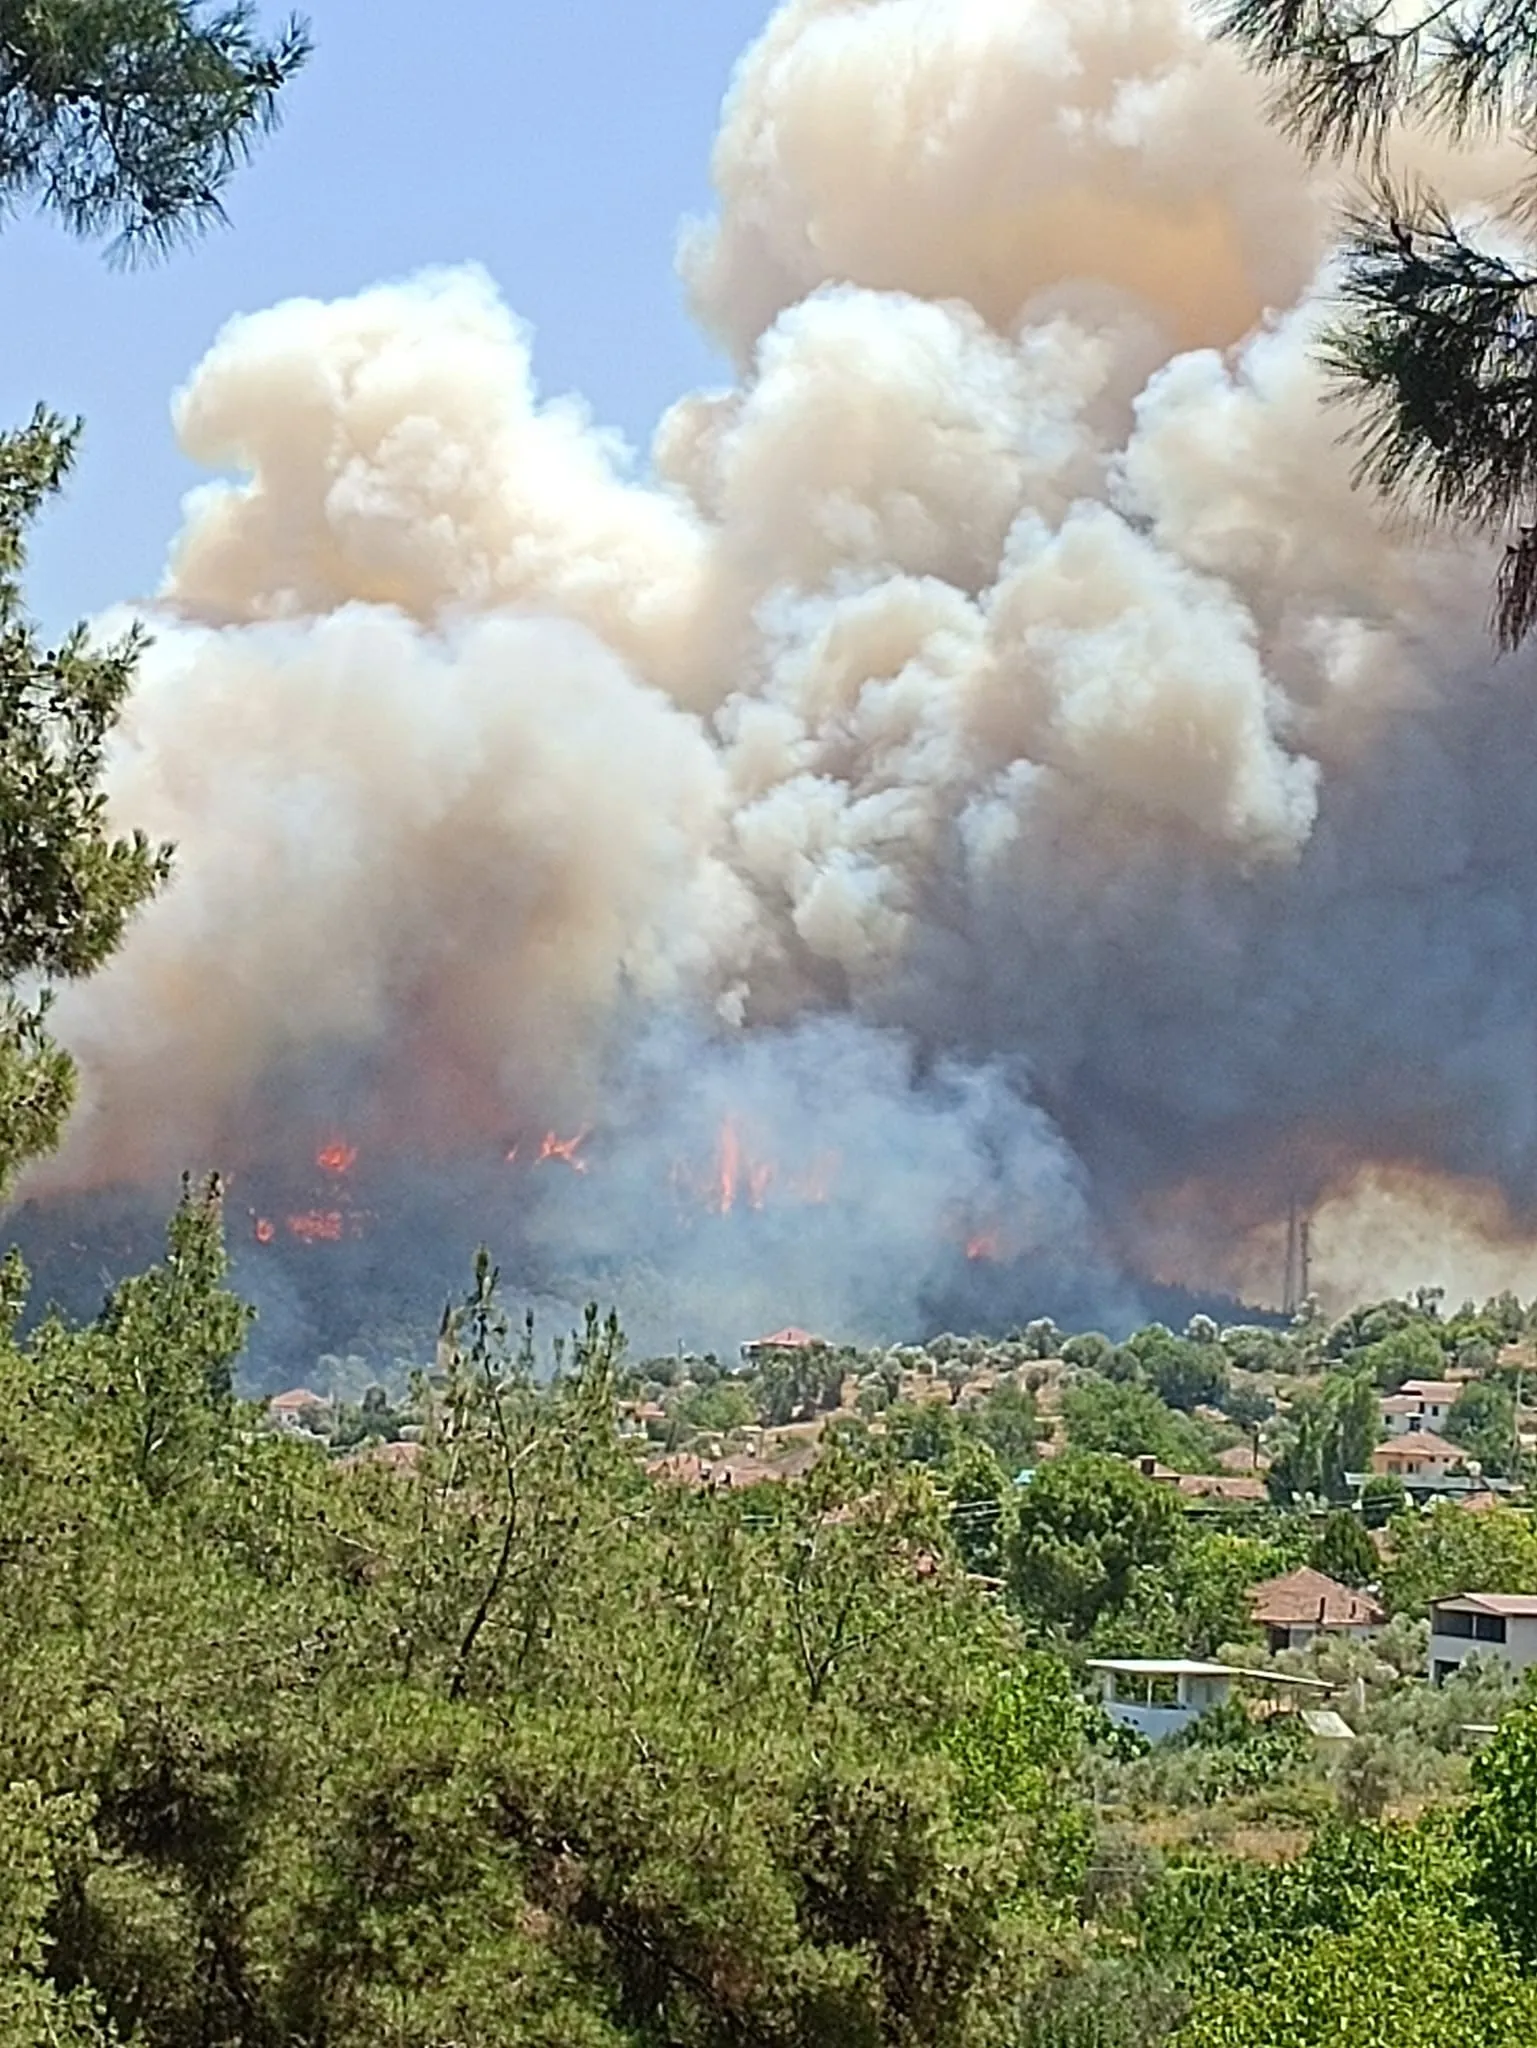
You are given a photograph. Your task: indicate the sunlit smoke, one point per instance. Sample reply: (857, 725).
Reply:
(997, 810)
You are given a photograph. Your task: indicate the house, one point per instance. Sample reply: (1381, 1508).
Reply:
(1468, 1625)
(1420, 1404)
(1417, 1455)
(1303, 1604)
(1159, 1697)
(298, 1409)
(788, 1339)
(1222, 1486)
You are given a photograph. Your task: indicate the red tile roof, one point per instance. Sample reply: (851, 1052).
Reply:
(1422, 1443)
(1307, 1598)
(788, 1339)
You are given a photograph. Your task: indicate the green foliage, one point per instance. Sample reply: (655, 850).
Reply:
(1398, 1978)
(129, 116)
(1450, 1551)
(1343, 1550)
(1087, 1530)
(518, 1746)
(796, 1382)
(1183, 1373)
(720, 1408)
(1130, 1421)
(1333, 1429)
(1483, 1421)
(1436, 343)
(67, 885)
(1498, 1831)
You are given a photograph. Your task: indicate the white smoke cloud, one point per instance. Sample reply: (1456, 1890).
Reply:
(998, 730)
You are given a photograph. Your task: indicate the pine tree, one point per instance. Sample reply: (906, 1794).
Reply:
(125, 117)
(128, 116)
(1437, 342)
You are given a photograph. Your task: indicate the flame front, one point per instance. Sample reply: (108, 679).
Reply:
(564, 1149)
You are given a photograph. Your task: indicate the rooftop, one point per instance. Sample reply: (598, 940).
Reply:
(787, 1339)
(1196, 1667)
(1515, 1606)
(1420, 1443)
(1306, 1596)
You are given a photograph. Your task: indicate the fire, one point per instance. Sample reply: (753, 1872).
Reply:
(317, 1226)
(336, 1156)
(739, 1177)
(266, 1229)
(985, 1246)
(565, 1149)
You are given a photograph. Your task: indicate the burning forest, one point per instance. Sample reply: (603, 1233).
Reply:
(988, 825)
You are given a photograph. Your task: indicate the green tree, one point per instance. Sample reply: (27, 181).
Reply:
(1006, 1422)
(1184, 1373)
(1132, 1421)
(1498, 1832)
(1343, 1550)
(1450, 1551)
(1483, 1421)
(129, 116)
(1087, 1529)
(125, 116)
(1438, 338)
(67, 884)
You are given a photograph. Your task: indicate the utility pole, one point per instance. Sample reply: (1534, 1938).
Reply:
(1304, 1260)
(1289, 1287)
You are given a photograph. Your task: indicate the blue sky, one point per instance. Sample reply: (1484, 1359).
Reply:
(557, 145)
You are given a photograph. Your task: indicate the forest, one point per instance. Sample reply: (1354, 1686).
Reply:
(550, 1733)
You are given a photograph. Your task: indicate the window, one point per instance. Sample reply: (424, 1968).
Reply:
(1449, 1622)
(1489, 1628)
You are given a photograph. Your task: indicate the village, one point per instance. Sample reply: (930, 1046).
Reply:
(1303, 1647)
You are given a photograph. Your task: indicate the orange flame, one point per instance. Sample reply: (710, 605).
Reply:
(565, 1149)
(730, 1165)
(317, 1226)
(266, 1229)
(984, 1246)
(336, 1156)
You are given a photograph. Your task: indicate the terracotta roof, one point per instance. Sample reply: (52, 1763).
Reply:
(787, 1339)
(1401, 1404)
(1306, 1597)
(1420, 1443)
(1220, 1486)
(1434, 1390)
(297, 1398)
(1240, 1458)
(1516, 1606)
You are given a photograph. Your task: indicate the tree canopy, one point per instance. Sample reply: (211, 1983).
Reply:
(1438, 338)
(125, 117)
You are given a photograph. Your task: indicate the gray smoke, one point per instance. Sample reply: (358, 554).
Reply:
(998, 783)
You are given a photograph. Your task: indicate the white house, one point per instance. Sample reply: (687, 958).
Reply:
(1468, 1625)
(299, 1410)
(1160, 1696)
(1420, 1404)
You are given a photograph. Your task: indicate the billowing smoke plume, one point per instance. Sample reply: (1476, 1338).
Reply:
(997, 811)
